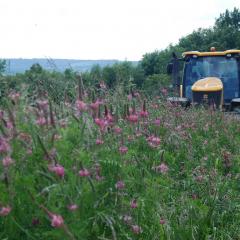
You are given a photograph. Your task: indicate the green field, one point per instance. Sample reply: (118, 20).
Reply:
(117, 167)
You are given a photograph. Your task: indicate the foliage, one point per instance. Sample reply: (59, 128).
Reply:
(155, 82)
(2, 66)
(223, 35)
(118, 167)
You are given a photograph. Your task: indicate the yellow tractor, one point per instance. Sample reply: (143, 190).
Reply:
(211, 78)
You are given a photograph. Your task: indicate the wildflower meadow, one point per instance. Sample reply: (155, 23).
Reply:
(112, 165)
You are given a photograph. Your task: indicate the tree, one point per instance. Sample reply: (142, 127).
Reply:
(227, 29)
(150, 62)
(2, 66)
(229, 19)
(36, 68)
(225, 34)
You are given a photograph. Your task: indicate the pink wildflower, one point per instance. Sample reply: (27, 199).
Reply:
(134, 204)
(153, 141)
(7, 161)
(162, 221)
(9, 125)
(133, 118)
(99, 178)
(123, 149)
(59, 170)
(99, 141)
(157, 122)
(199, 178)
(41, 121)
(120, 185)
(95, 105)
(80, 105)
(84, 173)
(129, 97)
(117, 130)
(136, 229)
(162, 168)
(14, 96)
(109, 118)
(4, 146)
(72, 207)
(35, 221)
(4, 211)
(56, 221)
(144, 114)
(102, 123)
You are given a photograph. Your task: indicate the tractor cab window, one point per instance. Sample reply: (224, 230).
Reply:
(226, 69)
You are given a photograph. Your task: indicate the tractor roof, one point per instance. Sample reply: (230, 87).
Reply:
(213, 53)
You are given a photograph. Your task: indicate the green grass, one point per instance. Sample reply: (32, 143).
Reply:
(198, 197)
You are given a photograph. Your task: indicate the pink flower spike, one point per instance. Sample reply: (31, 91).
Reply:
(7, 161)
(162, 168)
(162, 221)
(9, 125)
(57, 221)
(144, 114)
(84, 173)
(157, 122)
(154, 141)
(4, 146)
(80, 105)
(117, 130)
(72, 207)
(133, 118)
(102, 123)
(59, 170)
(136, 229)
(120, 185)
(99, 142)
(4, 211)
(134, 204)
(41, 121)
(99, 178)
(123, 149)
(95, 105)
(129, 97)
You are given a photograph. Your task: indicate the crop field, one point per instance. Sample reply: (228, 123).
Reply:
(116, 166)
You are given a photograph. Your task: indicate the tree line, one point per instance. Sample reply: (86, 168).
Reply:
(148, 74)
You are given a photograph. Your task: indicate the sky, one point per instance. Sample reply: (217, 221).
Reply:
(100, 29)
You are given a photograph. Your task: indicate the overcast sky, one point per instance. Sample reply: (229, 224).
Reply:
(100, 29)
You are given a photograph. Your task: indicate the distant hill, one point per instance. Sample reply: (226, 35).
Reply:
(20, 65)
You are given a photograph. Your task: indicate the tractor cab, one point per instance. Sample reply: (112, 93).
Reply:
(208, 77)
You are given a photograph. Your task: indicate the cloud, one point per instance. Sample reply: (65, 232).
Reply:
(93, 29)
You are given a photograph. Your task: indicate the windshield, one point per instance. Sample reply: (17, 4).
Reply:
(218, 66)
